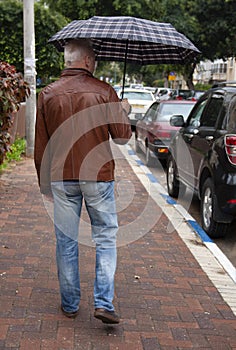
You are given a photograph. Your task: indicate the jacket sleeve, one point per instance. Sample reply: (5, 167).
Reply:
(119, 124)
(41, 149)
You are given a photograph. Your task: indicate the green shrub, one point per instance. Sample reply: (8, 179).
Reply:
(15, 152)
(203, 87)
(13, 91)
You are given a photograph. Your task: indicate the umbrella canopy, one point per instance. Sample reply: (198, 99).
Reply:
(129, 39)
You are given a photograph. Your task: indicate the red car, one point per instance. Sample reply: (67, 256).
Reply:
(153, 132)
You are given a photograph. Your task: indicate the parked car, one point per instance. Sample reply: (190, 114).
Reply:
(163, 94)
(117, 88)
(182, 94)
(150, 88)
(154, 132)
(203, 157)
(140, 100)
(136, 86)
(196, 94)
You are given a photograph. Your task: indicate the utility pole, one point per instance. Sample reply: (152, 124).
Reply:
(29, 74)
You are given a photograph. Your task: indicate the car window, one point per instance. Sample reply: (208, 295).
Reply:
(151, 113)
(197, 113)
(163, 92)
(212, 111)
(138, 95)
(185, 93)
(232, 115)
(166, 110)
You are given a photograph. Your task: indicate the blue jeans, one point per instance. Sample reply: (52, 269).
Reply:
(100, 204)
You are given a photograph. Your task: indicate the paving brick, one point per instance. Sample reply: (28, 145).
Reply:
(3, 331)
(150, 343)
(13, 339)
(27, 344)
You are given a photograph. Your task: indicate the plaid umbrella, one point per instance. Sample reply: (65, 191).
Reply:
(129, 39)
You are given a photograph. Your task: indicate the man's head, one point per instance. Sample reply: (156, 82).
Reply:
(78, 53)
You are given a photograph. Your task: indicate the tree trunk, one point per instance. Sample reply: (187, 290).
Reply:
(189, 76)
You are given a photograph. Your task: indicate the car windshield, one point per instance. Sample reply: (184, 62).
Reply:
(167, 110)
(132, 95)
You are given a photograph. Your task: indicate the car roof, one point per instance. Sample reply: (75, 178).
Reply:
(229, 86)
(225, 84)
(222, 88)
(225, 88)
(136, 90)
(176, 102)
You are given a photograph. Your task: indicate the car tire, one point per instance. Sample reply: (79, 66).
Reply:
(171, 178)
(213, 228)
(137, 147)
(150, 161)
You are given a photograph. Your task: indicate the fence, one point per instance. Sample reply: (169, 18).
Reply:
(18, 128)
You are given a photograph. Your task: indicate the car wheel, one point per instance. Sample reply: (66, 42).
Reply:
(213, 228)
(149, 159)
(171, 177)
(137, 147)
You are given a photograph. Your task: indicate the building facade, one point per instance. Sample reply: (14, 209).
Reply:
(208, 72)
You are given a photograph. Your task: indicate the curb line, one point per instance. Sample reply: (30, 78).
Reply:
(213, 261)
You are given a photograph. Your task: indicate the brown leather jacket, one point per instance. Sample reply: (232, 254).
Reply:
(76, 117)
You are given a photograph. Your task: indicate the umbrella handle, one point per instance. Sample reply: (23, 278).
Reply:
(124, 72)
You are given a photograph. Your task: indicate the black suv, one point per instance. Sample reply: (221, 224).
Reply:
(203, 157)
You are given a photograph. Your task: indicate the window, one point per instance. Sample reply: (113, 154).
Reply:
(151, 113)
(196, 115)
(166, 110)
(232, 115)
(231, 63)
(218, 68)
(131, 95)
(212, 110)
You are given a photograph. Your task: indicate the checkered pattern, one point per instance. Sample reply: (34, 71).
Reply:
(147, 42)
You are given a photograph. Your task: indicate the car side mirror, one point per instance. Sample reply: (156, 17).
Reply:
(177, 120)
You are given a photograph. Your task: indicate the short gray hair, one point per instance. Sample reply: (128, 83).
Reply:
(76, 49)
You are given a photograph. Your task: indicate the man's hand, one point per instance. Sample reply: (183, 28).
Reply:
(126, 106)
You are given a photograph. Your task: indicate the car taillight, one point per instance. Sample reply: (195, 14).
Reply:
(232, 201)
(230, 146)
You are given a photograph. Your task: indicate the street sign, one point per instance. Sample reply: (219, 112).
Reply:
(172, 76)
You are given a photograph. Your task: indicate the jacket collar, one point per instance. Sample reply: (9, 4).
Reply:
(75, 71)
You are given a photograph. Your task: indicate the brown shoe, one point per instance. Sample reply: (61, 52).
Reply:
(106, 316)
(69, 314)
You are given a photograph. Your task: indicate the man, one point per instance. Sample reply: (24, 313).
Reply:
(76, 117)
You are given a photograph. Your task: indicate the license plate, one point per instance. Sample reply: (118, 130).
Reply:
(137, 106)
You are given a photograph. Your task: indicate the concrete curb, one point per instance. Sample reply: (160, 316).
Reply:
(212, 260)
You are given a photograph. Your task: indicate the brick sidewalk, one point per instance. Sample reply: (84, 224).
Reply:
(165, 299)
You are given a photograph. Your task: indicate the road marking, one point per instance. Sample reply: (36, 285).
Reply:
(212, 260)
